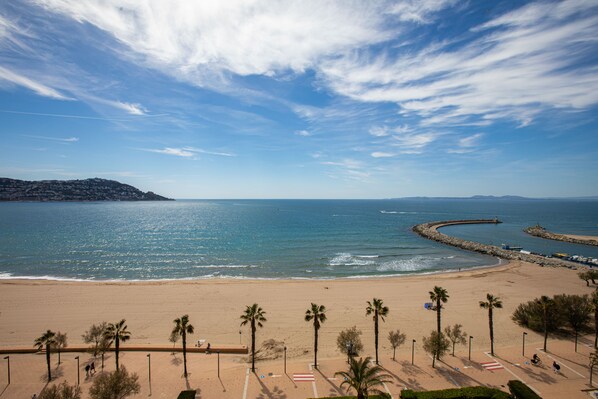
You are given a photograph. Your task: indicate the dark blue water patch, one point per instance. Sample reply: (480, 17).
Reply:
(264, 238)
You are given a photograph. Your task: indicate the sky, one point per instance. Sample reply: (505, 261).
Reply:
(303, 99)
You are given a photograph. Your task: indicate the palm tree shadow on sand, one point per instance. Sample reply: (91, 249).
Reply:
(276, 393)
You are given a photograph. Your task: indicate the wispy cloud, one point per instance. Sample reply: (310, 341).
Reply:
(186, 152)
(518, 65)
(60, 139)
(303, 133)
(380, 154)
(11, 77)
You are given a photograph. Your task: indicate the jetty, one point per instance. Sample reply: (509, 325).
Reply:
(539, 231)
(430, 230)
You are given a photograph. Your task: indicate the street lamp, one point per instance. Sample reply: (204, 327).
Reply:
(285, 360)
(470, 338)
(8, 359)
(218, 353)
(78, 376)
(412, 351)
(523, 348)
(239, 337)
(149, 371)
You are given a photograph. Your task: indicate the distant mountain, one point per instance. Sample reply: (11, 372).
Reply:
(72, 190)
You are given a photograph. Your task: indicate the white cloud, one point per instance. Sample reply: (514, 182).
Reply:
(303, 133)
(470, 141)
(63, 140)
(518, 65)
(382, 154)
(21, 80)
(419, 11)
(133, 109)
(179, 152)
(186, 152)
(379, 131)
(241, 37)
(415, 140)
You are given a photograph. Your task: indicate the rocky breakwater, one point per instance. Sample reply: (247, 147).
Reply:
(539, 231)
(430, 230)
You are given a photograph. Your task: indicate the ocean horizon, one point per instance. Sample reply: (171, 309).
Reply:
(269, 239)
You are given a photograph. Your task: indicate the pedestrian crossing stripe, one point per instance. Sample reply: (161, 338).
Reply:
(307, 377)
(492, 366)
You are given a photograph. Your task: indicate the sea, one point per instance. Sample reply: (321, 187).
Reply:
(269, 239)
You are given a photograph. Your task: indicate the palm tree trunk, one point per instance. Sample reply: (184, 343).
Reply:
(453, 348)
(116, 344)
(490, 321)
(376, 335)
(575, 341)
(252, 346)
(438, 324)
(545, 335)
(394, 351)
(59, 357)
(185, 352)
(315, 347)
(48, 361)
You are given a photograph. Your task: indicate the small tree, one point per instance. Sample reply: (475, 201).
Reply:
(456, 335)
(62, 391)
(60, 342)
(350, 338)
(96, 337)
(436, 345)
(396, 339)
(576, 310)
(116, 385)
(594, 302)
(585, 276)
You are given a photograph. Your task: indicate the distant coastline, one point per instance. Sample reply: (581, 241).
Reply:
(95, 189)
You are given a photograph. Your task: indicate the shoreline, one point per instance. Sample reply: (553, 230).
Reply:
(191, 280)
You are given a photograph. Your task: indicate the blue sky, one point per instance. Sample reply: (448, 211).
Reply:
(304, 99)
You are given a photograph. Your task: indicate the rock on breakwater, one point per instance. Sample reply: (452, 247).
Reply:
(430, 230)
(539, 231)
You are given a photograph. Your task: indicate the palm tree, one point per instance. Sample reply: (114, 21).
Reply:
(47, 340)
(254, 315)
(182, 328)
(438, 295)
(117, 332)
(491, 303)
(376, 308)
(546, 305)
(317, 313)
(363, 378)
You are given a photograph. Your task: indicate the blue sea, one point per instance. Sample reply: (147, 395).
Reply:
(270, 239)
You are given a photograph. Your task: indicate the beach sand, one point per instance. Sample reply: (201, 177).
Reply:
(29, 307)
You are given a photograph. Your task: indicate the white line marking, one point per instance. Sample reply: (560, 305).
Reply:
(579, 374)
(387, 390)
(515, 375)
(246, 384)
(313, 384)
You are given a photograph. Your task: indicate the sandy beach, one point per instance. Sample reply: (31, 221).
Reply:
(214, 306)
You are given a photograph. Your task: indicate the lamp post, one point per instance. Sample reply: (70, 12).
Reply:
(78, 375)
(285, 360)
(412, 351)
(218, 353)
(102, 362)
(470, 338)
(523, 346)
(149, 371)
(239, 337)
(8, 360)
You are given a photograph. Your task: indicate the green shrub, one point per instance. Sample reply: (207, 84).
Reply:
(459, 393)
(521, 391)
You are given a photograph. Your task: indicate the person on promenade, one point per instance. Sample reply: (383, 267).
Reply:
(556, 367)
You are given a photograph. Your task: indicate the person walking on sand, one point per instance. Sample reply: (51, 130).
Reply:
(92, 368)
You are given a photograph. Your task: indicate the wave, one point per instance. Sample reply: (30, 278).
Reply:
(400, 212)
(225, 266)
(346, 259)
